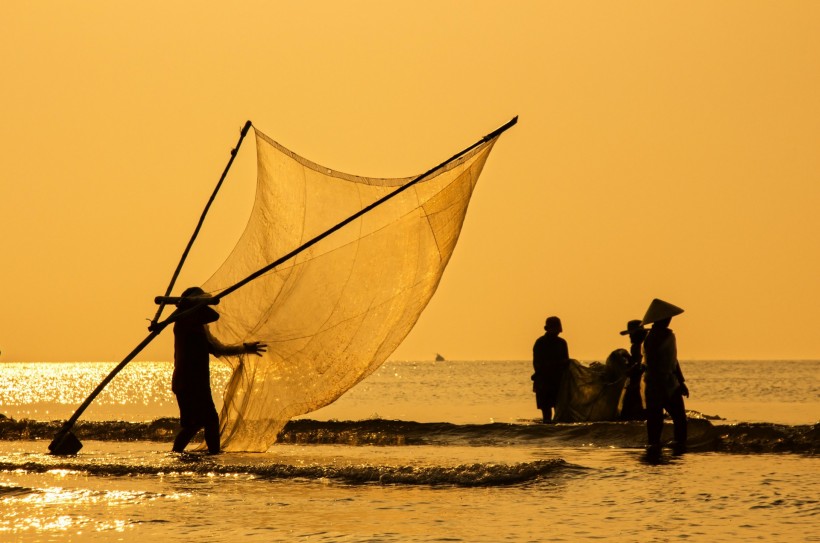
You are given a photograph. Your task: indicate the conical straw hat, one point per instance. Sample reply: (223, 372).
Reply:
(659, 310)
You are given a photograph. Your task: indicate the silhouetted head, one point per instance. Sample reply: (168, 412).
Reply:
(635, 330)
(553, 325)
(203, 314)
(192, 292)
(632, 327)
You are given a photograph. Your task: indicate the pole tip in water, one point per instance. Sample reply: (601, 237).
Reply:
(65, 444)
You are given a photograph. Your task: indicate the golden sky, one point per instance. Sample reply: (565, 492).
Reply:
(664, 149)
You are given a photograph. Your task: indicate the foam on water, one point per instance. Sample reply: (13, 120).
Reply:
(137, 492)
(475, 474)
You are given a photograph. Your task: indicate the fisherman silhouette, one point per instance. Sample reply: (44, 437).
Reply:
(665, 388)
(550, 359)
(632, 404)
(191, 381)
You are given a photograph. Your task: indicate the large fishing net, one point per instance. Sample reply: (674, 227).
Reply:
(331, 315)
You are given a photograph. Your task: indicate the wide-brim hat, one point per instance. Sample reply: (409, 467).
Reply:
(632, 327)
(203, 314)
(660, 310)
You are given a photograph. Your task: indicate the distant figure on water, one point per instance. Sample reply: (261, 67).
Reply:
(550, 359)
(632, 404)
(191, 381)
(663, 378)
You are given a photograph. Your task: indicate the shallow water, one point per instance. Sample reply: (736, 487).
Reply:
(578, 494)
(433, 452)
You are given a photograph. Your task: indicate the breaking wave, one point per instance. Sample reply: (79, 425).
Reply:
(467, 475)
(741, 438)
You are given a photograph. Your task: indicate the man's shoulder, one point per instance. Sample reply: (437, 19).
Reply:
(656, 339)
(550, 339)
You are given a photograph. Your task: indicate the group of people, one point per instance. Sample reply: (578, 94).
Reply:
(652, 358)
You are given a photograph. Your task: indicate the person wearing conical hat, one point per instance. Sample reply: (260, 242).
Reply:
(550, 359)
(632, 404)
(663, 378)
(191, 381)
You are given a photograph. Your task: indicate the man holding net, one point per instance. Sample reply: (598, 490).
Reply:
(191, 382)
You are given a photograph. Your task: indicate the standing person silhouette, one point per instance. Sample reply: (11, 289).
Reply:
(632, 404)
(665, 388)
(550, 359)
(191, 382)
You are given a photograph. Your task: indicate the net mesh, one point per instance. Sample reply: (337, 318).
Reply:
(331, 315)
(594, 392)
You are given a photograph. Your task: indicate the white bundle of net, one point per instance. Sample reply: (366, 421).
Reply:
(334, 313)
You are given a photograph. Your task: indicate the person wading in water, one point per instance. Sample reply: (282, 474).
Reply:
(550, 359)
(663, 378)
(191, 382)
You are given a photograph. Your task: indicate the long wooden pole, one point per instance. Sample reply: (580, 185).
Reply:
(55, 443)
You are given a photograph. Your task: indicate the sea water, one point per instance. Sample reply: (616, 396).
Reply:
(419, 451)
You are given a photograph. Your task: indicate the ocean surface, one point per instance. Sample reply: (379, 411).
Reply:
(419, 451)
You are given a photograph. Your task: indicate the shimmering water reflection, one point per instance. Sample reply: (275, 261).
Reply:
(602, 494)
(462, 392)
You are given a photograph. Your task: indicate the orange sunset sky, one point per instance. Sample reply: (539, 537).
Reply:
(664, 149)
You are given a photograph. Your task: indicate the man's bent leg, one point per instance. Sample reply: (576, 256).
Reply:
(187, 419)
(183, 438)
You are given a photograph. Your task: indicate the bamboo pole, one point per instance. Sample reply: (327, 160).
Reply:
(64, 441)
